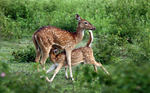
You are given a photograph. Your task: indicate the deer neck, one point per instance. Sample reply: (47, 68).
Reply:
(79, 34)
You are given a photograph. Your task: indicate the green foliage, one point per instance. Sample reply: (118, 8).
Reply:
(27, 54)
(112, 48)
(14, 10)
(129, 17)
(65, 21)
(126, 77)
(18, 18)
(4, 69)
(22, 18)
(130, 78)
(140, 52)
(20, 82)
(109, 48)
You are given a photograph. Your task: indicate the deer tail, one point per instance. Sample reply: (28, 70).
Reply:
(89, 43)
(35, 42)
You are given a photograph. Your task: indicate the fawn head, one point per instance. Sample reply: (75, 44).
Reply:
(54, 50)
(84, 24)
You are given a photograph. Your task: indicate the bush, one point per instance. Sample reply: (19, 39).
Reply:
(109, 48)
(129, 17)
(20, 82)
(112, 48)
(130, 78)
(127, 78)
(4, 69)
(22, 18)
(25, 54)
(27, 16)
(139, 52)
(28, 54)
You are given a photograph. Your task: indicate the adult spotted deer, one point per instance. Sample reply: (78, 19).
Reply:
(47, 36)
(78, 55)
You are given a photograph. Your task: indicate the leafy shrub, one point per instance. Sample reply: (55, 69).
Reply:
(139, 53)
(20, 82)
(23, 17)
(14, 10)
(4, 69)
(112, 48)
(65, 21)
(27, 16)
(130, 79)
(25, 55)
(108, 48)
(129, 17)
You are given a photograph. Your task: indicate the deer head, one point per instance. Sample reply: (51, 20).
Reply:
(84, 24)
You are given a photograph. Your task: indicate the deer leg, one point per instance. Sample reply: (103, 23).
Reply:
(38, 55)
(51, 69)
(44, 58)
(95, 68)
(38, 51)
(104, 69)
(66, 74)
(99, 65)
(56, 71)
(68, 54)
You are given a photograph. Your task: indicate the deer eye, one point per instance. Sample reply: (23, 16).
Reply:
(85, 22)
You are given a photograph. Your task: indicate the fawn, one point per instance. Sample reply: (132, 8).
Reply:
(78, 55)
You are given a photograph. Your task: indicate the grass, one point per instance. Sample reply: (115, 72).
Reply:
(7, 47)
(25, 69)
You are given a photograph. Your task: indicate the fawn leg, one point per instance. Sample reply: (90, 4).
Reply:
(99, 65)
(56, 71)
(66, 74)
(95, 68)
(49, 70)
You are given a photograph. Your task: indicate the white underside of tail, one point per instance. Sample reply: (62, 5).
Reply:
(91, 33)
(37, 43)
(83, 32)
(59, 45)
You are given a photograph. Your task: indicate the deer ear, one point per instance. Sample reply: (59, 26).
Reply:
(78, 18)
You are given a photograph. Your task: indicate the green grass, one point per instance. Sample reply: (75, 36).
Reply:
(7, 47)
(26, 69)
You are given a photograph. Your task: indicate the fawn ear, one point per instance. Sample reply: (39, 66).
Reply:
(78, 18)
